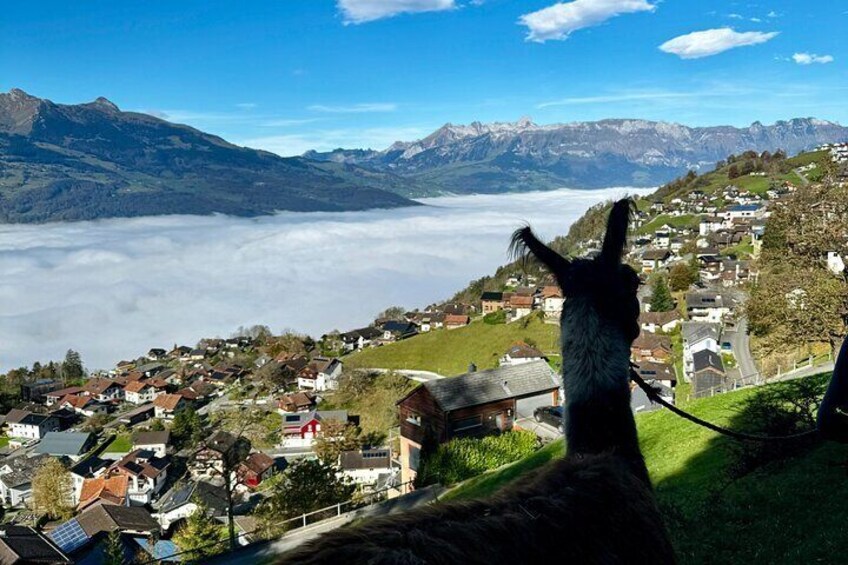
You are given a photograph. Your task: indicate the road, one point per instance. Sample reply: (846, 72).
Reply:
(411, 374)
(542, 430)
(741, 347)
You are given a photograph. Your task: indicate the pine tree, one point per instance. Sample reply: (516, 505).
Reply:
(72, 368)
(198, 536)
(661, 300)
(113, 552)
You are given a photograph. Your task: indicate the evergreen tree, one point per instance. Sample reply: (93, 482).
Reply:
(187, 428)
(198, 536)
(113, 552)
(72, 368)
(661, 300)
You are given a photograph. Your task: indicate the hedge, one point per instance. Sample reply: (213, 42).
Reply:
(463, 458)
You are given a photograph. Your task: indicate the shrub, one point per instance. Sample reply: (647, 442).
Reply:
(495, 318)
(463, 458)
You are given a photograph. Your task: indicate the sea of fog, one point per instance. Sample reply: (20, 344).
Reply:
(113, 289)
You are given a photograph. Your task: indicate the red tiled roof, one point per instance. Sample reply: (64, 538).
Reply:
(109, 489)
(167, 401)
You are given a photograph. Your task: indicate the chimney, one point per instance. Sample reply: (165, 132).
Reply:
(472, 368)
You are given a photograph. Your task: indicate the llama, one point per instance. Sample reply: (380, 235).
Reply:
(594, 506)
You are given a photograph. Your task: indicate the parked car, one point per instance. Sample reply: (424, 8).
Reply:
(551, 415)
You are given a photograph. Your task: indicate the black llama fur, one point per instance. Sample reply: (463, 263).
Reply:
(594, 506)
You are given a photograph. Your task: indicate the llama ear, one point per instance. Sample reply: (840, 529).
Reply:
(524, 241)
(616, 236)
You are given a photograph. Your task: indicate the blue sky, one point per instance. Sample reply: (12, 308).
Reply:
(289, 75)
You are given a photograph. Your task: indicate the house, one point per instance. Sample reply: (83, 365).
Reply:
(55, 396)
(320, 374)
(454, 321)
(16, 477)
(471, 405)
(660, 321)
(396, 331)
(80, 404)
(710, 224)
(27, 425)
(89, 468)
(706, 306)
(142, 392)
(552, 301)
(181, 501)
(140, 414)
(662, 373)
(72, 445)
(255, 469)
(698, 336)
(653, 259)
(650, 347)
(491, 302)
(36, 391)
(157, 442)
(521, 305)
(23, 545)
(358, 339)
(296, 402)
(301, 429)
(708, 376)
(104, 490)
(146, 473)
(221, 447)
(521, 353)
(156, 354)
(743, 211)
(104, 390)
(98, 521)
(165, 406)
(366, 467)
(662, 239)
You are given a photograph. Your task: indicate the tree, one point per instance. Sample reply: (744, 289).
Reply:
(113, 552)
(306, 485)
(198, 535)
(52, 490)
(73, 371)
(392, 313)
(682, 276)
(187, 428)
(336, 437)
(733, 172)
(661, 300)
(156, 425)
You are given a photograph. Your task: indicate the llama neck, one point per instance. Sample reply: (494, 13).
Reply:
(596, 364)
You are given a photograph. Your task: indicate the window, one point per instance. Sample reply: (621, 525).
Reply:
(292, 418)
(414, 419)
(466, 424)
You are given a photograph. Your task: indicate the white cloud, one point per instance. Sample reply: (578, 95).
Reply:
(131, 284)
(713, 41)
(361, 11)
(810, 58)
(289, 145)
(772, 14)
(563, 18)
(246, 105)
(354, 108)
(620, 97)
(736, 16)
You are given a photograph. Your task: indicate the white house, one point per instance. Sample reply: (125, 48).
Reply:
(552, 301)
(835, 263)
(104, 390)
(16, 478)
(27, 425)
(141, 392)
(706, 306)
(157, 442)
(367, 467)
(320, 374)
(165, 406)
(743, 211)
(181, 501)
(521, 353)
(698, 336)
(146, 474)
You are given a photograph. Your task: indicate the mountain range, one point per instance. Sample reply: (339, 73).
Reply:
(522, 155)
(89, 161)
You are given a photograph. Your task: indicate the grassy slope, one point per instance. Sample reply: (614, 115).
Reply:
(448, 352)
(120, 444)
(711, 521)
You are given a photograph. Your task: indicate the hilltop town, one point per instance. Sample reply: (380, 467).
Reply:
(222, 436)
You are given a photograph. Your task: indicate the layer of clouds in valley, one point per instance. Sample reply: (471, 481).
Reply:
(113, 289)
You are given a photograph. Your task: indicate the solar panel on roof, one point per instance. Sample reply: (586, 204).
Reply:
(69, 536)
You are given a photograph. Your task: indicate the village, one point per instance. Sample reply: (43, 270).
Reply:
(145, 445)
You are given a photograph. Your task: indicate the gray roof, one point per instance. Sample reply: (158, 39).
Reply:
(152, 438)
(22, 470)
(110, 517)
(214, 497)
(693, 332)
(22, 544)
(365, 459)
(707, 359)
(63, 443)
(493, 385)
(707, 299)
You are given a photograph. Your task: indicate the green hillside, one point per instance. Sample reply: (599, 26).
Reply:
(786, 511)
(448, 352)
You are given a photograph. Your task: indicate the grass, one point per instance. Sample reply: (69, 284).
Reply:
(4, 441)
(684, 221)
(448, 352)
(711, 519)
(121, 443)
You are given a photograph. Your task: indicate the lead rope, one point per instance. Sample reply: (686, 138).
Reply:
(654, 396)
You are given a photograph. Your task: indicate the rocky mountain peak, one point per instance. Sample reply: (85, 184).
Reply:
(105, 104)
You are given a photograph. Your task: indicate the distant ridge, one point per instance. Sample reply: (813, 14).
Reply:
(522, 155)
(89, 161)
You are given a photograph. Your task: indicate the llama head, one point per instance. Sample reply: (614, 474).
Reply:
(600, 317)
